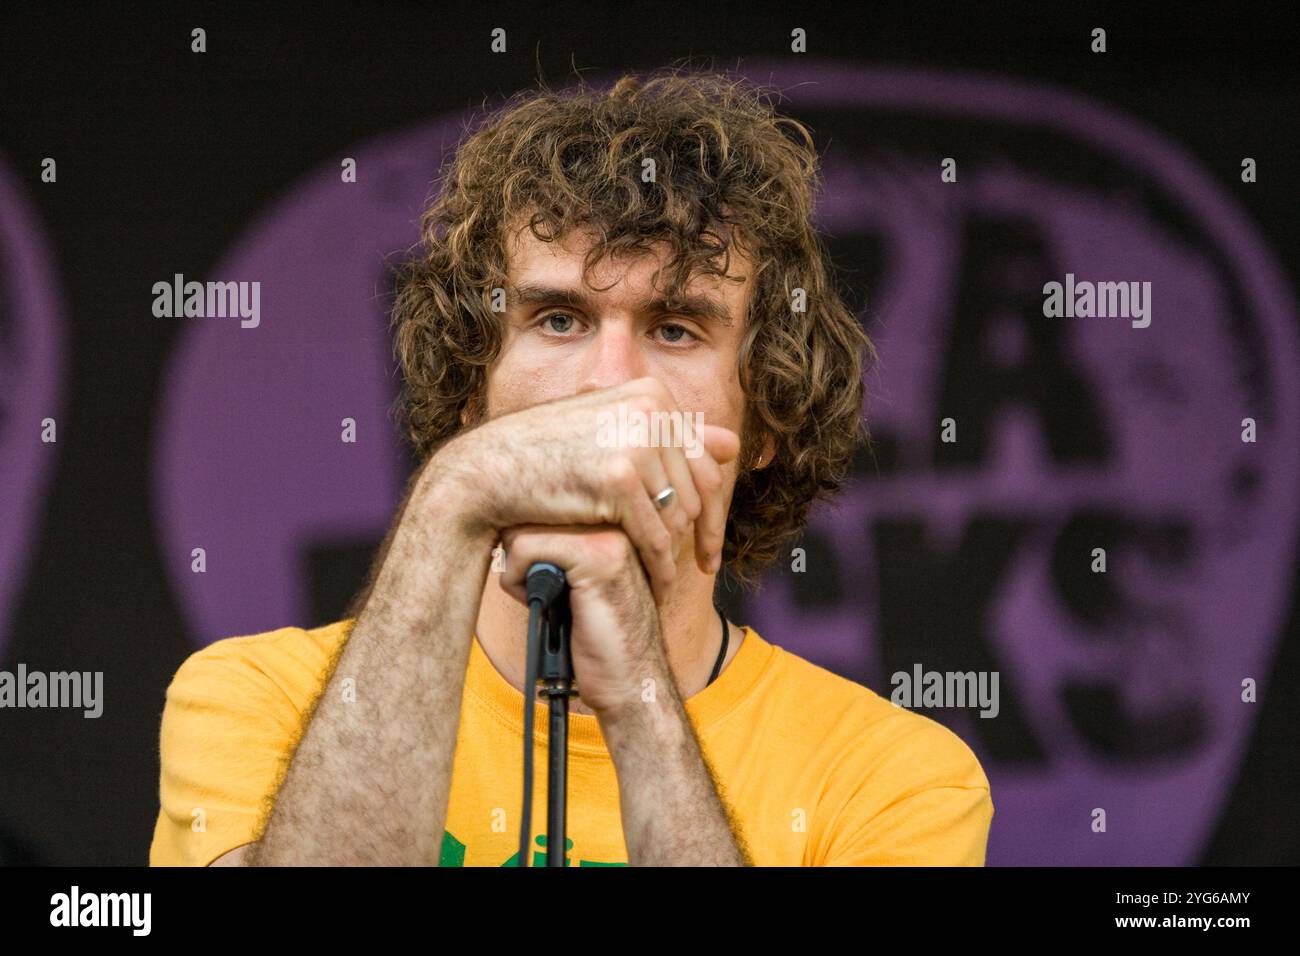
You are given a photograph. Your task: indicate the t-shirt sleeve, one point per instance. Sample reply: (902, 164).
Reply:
(924, 802)
(226, 739)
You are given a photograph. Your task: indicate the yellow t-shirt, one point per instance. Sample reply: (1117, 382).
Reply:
(816, 769)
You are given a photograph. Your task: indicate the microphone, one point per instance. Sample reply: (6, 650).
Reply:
(545, 582)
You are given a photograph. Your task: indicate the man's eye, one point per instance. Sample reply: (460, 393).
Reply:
(560, 322)
(676, 333)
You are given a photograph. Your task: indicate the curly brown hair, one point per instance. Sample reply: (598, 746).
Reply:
(726, 171)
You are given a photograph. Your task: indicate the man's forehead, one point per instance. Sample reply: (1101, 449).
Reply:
(535, 267)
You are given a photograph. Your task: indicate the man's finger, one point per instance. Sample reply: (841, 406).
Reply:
(711, 525)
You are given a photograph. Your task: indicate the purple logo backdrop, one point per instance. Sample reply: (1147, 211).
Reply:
(31, 383)
(1074, 434)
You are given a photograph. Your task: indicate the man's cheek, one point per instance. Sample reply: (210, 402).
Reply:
(513, 389)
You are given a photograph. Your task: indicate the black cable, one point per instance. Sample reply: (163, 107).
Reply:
(530, 694)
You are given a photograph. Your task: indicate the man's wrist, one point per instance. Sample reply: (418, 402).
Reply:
(455, 487)
(654, 714)
(439, 531)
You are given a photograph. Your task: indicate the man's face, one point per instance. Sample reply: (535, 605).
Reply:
(561, 337)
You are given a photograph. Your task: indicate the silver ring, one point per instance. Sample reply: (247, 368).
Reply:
(665, 497)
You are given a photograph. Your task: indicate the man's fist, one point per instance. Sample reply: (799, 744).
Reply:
(546, 465)
(615, 640)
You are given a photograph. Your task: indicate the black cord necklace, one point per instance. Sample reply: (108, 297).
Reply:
(722, 652)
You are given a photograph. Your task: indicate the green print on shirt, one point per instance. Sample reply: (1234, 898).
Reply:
(453, 853)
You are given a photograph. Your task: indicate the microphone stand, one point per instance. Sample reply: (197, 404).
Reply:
(555, 673)
(548, 663)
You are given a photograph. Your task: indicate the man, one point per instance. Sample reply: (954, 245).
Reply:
(591, 259)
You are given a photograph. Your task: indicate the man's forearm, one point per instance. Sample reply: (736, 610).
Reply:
(672, 812)
(370, 778)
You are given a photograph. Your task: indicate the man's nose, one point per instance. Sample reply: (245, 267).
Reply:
(614, 357)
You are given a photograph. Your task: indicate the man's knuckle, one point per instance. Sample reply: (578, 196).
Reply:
(691, 506)
(620, 472)
(642, 455)
(607, 546)
(644, 403)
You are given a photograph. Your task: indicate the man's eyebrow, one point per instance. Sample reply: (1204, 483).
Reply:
(700, 307)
